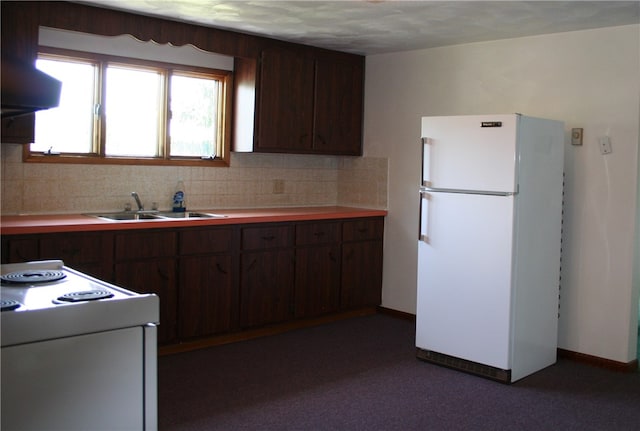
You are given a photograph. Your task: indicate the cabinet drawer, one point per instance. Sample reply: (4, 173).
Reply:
(200, 241)
(72, 249)
(144, 245)
(255, 238)
(317, 233)
(363, 229)
(17, 249)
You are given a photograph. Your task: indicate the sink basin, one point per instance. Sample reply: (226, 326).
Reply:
(153, 215)
(188, 214)
(122, 216)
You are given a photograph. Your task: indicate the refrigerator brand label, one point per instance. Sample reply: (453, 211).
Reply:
(491, 124)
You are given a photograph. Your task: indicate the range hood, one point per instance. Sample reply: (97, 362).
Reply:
(26, 89)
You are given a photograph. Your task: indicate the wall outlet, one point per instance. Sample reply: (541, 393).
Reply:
(605, 144)
(278, 187)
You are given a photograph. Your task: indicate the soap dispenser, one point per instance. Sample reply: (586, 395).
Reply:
(179, 203)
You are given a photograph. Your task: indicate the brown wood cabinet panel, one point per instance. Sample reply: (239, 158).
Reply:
(361, 274)
(19, 40)
(145, 244)
(285, 101)
(317, 283)
(338, 106)
(89, 252)
(213, 280)
(269, 236)
(266, 287)
(309, 101)
(207, 240)
(154, 276)
(317, 233)
(16, 249)
(363, 229)
(207, 302)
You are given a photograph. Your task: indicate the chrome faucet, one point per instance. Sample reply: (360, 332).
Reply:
(137, 198)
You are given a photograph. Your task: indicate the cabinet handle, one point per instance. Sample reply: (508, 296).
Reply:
(220, 268)
(322, 140)
(363, 230)
(163, 275)
(268, 238)
(318, 234)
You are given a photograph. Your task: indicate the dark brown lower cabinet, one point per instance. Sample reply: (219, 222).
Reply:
(206, 297)
(362, 249)
(362, 278)
(266, 287)
(154, 276)
(88, 252)
(146, 263)
(317, 283)
(219, 279)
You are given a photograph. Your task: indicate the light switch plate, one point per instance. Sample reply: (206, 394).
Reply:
(576, 136)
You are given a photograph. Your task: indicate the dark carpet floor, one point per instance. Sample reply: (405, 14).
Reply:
(362, 374)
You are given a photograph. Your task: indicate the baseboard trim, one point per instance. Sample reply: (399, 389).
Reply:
(396, 313)
(625, 367)
(264, 331)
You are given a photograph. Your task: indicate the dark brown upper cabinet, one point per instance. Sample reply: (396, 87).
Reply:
(307, 101)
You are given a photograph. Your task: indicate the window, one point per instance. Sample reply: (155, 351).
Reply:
(124, 110)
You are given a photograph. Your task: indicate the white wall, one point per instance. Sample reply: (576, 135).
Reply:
(587, 79)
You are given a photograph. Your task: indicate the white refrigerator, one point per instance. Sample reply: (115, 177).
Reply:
(489, 243)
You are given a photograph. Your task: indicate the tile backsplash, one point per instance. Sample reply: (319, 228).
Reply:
(252, 180)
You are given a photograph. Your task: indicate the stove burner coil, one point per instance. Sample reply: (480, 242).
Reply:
(86, 295)
(9, 304)
(32, 276)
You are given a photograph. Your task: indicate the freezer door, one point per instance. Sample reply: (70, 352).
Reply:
(464, 277)
(475, 152)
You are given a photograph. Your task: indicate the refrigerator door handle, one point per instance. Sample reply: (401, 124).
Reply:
(426, 188)
(423, 234)
(427, 143)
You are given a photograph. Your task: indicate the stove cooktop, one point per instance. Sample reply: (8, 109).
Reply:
(45, 299)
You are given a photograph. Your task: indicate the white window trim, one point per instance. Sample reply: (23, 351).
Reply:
(127, 46)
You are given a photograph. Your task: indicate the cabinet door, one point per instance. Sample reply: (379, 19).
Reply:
(146, 263)
(19, 40)
(19, 249)
(154, 276)
(317, 284)
(207, 303)
(338, 106)
(285, 107)
(361, 274)
(362, 262)
(266, 287)
(88, 252)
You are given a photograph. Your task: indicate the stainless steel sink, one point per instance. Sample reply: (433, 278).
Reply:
(188, 214)
(153, 215)
(126, 216)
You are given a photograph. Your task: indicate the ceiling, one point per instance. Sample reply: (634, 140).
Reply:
(378, 26)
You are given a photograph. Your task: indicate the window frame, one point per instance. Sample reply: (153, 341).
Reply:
(223, 145)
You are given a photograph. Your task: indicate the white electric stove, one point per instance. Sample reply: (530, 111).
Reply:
(77, 353)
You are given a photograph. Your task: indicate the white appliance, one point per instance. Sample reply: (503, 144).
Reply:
(489, 243)
(77, 353)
